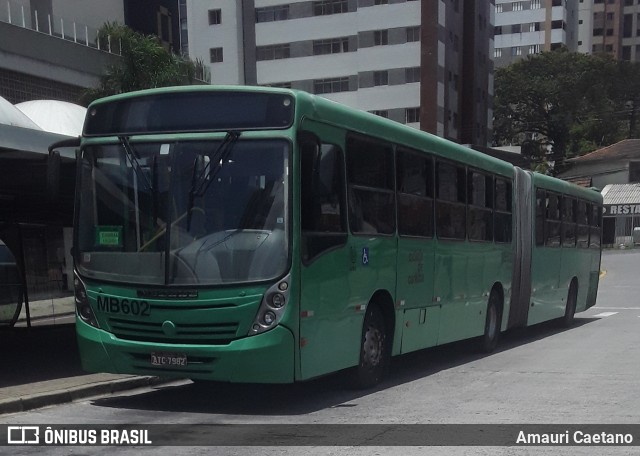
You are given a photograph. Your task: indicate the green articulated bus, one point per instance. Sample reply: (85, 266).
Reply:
(253, 234)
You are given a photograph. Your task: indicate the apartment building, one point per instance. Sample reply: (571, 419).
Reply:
(589, 26)
(611, 26)
(527, 27)
(423, 63)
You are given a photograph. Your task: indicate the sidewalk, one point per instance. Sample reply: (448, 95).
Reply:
(52, 310)
(41, 367)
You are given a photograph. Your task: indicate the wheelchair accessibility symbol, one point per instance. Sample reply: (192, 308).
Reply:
(365, 256)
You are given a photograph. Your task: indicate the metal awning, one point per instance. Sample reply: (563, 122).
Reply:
(621, 200)
(26, 140)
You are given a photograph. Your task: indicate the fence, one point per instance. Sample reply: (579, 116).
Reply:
(20, 15)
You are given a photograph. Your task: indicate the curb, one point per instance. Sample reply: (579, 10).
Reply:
(44, 317)
(35, 401)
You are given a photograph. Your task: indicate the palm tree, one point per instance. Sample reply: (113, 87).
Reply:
(143, 64)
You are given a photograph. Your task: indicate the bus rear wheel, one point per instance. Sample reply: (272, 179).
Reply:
(375, 352)
(570, 309)
(491, 334)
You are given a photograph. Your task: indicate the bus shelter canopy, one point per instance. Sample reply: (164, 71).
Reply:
(23, 161)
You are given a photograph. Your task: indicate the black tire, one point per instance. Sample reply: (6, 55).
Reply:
(375, 350)
(491, 335)
(570, 308)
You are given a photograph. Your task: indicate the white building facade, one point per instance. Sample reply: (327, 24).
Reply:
(368, 54)
(363, 54)
(527, 27)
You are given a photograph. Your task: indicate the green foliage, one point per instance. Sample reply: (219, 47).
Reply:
(562, 104)
(144, 64)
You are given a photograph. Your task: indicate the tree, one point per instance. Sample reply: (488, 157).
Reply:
(561, 104)
(628, 93)
(537, 100)
(144, 63)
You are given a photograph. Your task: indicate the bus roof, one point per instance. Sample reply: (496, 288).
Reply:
(190, 89)
(567, 188)
(326, 111)
(323, 110)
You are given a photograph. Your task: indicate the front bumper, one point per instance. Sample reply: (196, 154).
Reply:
(264, 358)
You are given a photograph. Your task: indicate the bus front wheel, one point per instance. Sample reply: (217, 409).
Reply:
(375, 352)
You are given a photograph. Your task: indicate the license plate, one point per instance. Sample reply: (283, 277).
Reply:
(165, 359)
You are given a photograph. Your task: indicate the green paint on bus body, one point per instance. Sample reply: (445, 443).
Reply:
(430, 290)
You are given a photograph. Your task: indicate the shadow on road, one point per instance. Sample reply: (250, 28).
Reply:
(38, 354)
(322, 393)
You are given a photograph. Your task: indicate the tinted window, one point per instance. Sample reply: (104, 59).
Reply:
(568, 222)
(503, 195)
(451, 199)
(552, 224)
(371, 186)
(595, 221)
(582, 217)
(415, 194)
(190, 111)
(480, 214)
(502, 215)
(370, 163)
(323, 221)
(541, 207)
(450, 180)
(371, 211)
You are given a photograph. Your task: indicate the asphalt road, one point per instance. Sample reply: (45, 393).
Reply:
(585, 375)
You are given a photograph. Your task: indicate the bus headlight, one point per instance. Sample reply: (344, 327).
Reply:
(272, 307)
(277, 300)
(83, 309)
(269, 318)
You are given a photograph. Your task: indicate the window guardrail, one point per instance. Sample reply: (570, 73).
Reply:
(21, 15)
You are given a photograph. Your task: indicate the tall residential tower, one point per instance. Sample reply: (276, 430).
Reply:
(528, 27)
(423, 63)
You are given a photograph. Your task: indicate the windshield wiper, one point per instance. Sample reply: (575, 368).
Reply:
(131, 154)
(201, 183)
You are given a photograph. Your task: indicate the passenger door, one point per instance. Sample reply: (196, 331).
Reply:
(416, 249)
(326, 322)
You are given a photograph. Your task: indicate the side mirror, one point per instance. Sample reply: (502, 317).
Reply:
(53, 167)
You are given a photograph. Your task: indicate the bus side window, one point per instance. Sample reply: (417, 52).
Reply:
(322, 206)
(541, 208)
(414, 183)
(582, 217)
(503, 203)
(480, 213)
(568, 222)
(552, 229)
(451, 197)
(595, 222)
(370, 170)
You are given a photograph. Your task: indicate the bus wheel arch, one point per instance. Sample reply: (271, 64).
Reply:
(493, 320)
(384, 301)
(376, 341)
(570, 306)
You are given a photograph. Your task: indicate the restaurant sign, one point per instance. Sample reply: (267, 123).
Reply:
(621, 209)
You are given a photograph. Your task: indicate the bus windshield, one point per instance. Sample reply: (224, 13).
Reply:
(184, 212)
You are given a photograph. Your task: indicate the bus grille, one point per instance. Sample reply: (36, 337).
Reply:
(185, 333)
